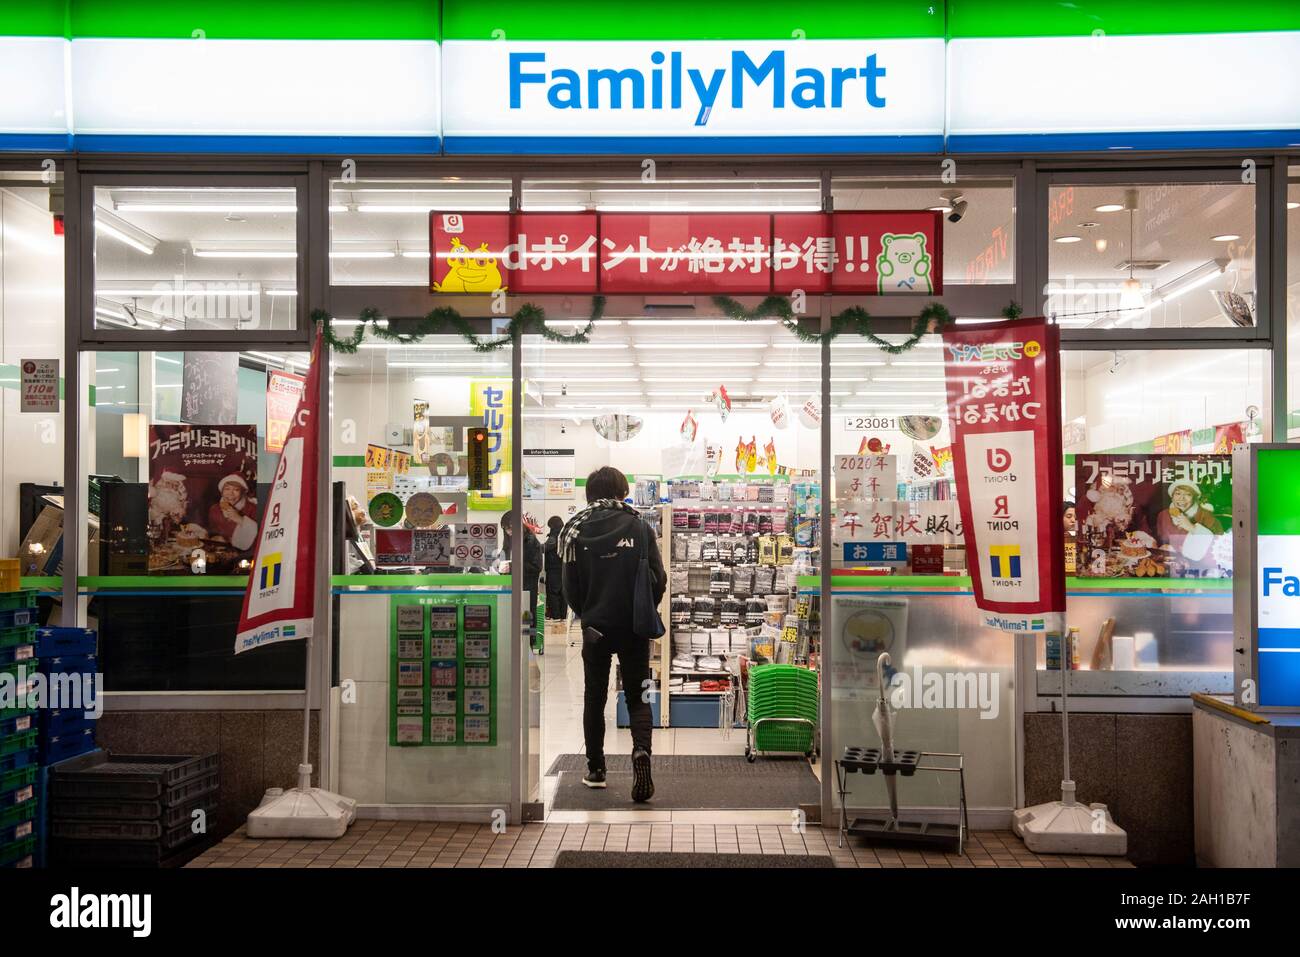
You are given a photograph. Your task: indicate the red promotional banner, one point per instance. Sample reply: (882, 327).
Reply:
(1004, 409)
(867, 252)
(280, 599)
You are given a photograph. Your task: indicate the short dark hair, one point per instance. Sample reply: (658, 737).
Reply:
(607, 482)
(555, 523)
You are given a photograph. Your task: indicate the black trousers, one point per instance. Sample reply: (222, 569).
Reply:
(634, 660)
(556, 609)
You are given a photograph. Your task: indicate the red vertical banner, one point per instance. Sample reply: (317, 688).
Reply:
(280, 599)
(1004, 409)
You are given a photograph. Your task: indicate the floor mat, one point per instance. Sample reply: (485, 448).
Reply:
(681, 859)
(691, 782)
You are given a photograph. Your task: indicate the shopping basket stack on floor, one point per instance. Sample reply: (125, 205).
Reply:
(782, 710)
(20, 799)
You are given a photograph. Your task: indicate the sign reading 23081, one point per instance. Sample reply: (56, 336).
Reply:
(869, 423)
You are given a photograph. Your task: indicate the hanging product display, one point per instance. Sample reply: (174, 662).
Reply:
(722, 400)
(779, 410)
(616, 427)
(922, 428)
(810, 413)
(689, 426)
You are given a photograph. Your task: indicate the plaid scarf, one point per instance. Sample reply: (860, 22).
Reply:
(569, 534)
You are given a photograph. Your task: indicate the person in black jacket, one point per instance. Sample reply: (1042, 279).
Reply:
(556, 608)
(600, 551)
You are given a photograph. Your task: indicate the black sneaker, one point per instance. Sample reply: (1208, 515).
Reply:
(643, 788)
(594, 779)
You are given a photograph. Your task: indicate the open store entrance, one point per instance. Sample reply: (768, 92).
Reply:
(704, 417)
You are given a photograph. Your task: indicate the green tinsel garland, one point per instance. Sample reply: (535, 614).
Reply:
(530, 318)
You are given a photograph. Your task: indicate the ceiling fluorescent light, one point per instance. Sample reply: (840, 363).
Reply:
(115, 227)
(1190, 280)
(205, 208)
(696, 346)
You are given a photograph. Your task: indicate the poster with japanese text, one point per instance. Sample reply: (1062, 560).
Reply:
(863, 252)
(871, 477)
(1154, 516)
(490, 400)
(283, 390)
(202, 498)
(1004, 412)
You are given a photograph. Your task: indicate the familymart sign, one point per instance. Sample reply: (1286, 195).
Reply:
(670, 76)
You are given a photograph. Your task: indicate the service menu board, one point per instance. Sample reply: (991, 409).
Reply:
(443, 670)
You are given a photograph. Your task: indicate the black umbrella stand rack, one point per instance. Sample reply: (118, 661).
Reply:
(892, 829)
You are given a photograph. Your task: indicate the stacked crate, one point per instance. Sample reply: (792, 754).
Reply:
(125, 810)
(65, 728)
(20, 799)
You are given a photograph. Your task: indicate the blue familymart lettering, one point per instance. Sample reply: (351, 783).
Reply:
(666, 82)
(1290, 583)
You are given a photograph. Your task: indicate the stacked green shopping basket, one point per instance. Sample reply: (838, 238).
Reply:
(782, 709)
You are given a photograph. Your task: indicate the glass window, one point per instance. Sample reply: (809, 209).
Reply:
(379, 228)
(31, 327)
(435, 713)
(184, 447)
(196, 258)
(1153, 255)
(979, 219)
(676, 193)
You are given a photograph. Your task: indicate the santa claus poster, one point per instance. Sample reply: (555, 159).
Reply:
(1154, 516)
(202, 498)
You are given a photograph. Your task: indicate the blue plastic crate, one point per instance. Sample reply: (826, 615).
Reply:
(17, 617)
(624, 720)
(19, 759)
(69, 664)
(57, 642)
(18, 722)
(18, 831)
(58, 722)
(11, 654)
(53, 750)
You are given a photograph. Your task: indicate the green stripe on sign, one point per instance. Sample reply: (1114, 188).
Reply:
(256, 19)
(1277, 490)
(34, 18)
(691, 20)
(349, 461)
(1035, 18)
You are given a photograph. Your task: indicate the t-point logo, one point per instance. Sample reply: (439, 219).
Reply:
(1290, 584)
(999, 459)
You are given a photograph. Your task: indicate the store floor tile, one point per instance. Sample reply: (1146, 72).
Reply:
(393, 844)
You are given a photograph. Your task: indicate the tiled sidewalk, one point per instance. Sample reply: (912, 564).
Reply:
(413, 844)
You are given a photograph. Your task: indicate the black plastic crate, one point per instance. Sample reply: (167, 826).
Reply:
(105, 830)
(122, 853)
(134, 777)
(86, 810)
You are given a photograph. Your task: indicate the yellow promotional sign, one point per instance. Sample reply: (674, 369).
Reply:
(490, 401)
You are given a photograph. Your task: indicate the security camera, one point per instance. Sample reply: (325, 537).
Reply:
(953, 205)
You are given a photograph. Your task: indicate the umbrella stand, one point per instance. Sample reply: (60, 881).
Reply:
(1066, 826)
(892, 764)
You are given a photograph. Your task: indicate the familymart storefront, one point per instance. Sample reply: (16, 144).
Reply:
(170, 242)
